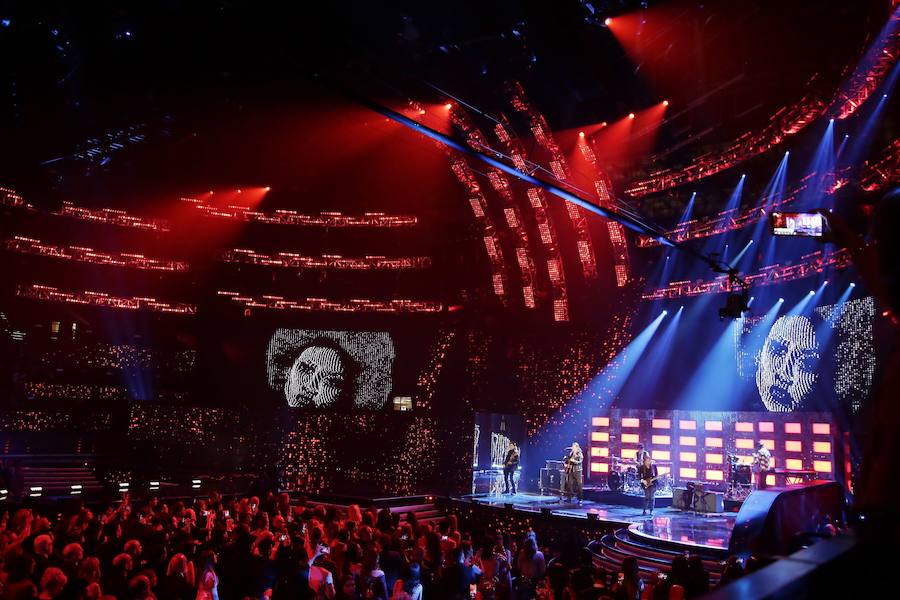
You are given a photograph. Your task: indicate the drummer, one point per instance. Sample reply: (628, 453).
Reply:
(640, 455)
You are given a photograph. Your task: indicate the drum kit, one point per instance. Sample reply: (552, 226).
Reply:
(740, 479)
(623, 478)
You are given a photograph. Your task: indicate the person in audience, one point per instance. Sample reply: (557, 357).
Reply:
(629, 585)
(18, 567)
(140, 588)
(409, 588)
(274, 550)
(531, 565)
(178, 583)
(347, 589)
(321, 581)
(208, 582)
(120, 576)
(371, 581)
(732, 570)
(698, 577)
(43, 548)
(598, 588)
(52, 583)
(458, 577)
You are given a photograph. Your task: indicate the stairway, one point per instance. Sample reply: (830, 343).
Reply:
(56, 477)
(610, 550)
(425, 513)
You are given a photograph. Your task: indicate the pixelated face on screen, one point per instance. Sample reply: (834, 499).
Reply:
(828, 352)
(331, 369)
(787, 364)
(317, 378)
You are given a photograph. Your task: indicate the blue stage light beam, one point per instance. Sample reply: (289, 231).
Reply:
(645, 379)
(597, 396)
(771, 196)
(822, 166)
(862, 140)
(734, 261)
(686, 214)
(715, 384)
(672, 262)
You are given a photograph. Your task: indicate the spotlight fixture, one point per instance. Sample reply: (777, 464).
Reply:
(737, 303)
(735, 306)
(665, 102)
(448, 106)
(581, 134)
(630, 115)
(607, 21)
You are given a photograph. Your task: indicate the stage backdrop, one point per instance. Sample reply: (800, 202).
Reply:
(694, 445)
(493, 435)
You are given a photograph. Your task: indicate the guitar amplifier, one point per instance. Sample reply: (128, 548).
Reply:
(708, 502)
(552, 480)
(559, 465)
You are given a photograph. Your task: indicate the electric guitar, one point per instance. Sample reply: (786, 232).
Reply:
(645, 483)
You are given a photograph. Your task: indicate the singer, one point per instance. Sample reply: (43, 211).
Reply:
(574, 482)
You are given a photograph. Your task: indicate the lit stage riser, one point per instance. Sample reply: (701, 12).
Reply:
(694, 445)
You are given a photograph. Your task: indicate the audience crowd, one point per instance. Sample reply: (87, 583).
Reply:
(275, 549)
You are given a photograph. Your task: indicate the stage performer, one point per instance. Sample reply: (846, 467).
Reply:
(574, 478)
(762, 458)
(640, 455)
(510, 464)
(648, 475)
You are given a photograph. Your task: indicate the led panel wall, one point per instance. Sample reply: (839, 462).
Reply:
(694, 445)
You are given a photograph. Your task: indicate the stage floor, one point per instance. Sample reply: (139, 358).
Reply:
(709, 531)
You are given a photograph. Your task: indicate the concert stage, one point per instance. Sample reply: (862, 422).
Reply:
(767, 523)
(711, 531)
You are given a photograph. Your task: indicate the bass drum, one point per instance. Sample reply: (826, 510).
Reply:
(614, 481)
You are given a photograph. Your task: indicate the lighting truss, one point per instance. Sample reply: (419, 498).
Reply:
(811, 264)
(322, 304)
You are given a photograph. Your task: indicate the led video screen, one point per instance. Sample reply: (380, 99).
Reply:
(339, 370)
(824, 353)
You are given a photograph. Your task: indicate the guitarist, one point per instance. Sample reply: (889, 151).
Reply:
(648, 475)
(510, 464)
(574, 481)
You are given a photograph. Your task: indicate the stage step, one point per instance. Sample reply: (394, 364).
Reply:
(612, 549)
(635, 545)
(60, 478)
(425, 513)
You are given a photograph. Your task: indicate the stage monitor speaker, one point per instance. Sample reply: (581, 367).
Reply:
(551, 479)
(708, 502)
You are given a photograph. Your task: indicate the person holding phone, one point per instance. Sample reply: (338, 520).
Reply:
(321, 581)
